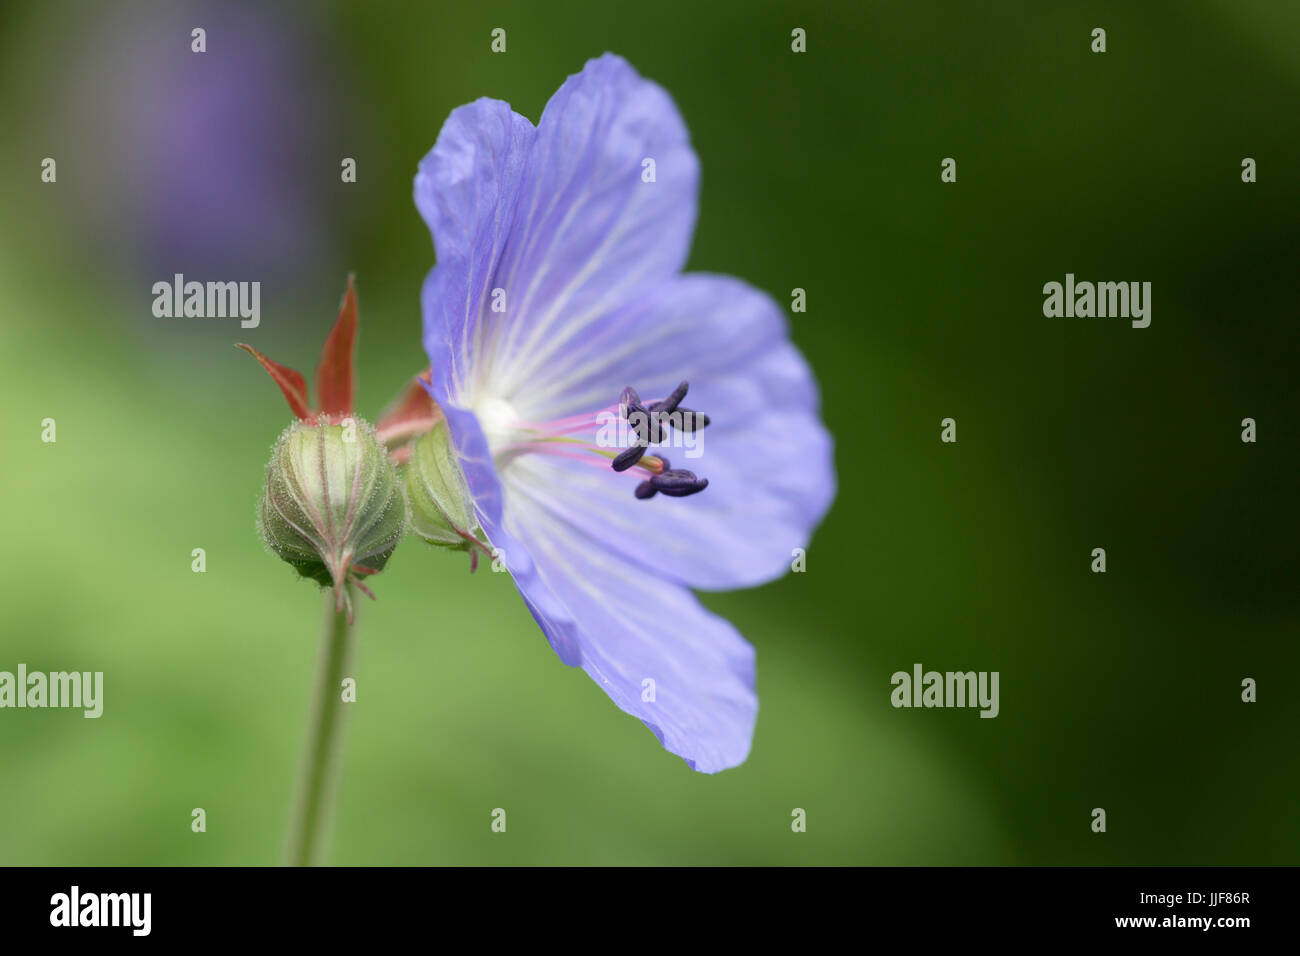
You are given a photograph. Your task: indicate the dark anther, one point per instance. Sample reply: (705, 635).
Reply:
(669, 412)
(628, 457)
(670, 403)
(638, 418)
(678, 483)
(648, 424)
(645, 425)
(683, 419)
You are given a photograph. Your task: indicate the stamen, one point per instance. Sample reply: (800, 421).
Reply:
(678, 483)
(674, 399)
(683, 419)
(562, 437)
(648, 423)
(628, 457)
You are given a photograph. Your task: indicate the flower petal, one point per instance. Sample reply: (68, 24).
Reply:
(630, 628)
(584, 231)
(466, 191)
(766, 454)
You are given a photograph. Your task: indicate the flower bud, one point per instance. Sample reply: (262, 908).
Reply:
(332, 508)
(442, 512)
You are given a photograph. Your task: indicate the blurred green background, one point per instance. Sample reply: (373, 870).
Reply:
(820, 171)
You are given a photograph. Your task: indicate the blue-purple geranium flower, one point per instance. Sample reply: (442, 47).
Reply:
(558, 285)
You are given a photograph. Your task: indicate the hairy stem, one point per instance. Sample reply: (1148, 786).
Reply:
(309, 830)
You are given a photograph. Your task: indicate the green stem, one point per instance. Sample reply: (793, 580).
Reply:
(320, 772)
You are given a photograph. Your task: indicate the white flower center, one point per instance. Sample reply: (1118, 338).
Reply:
(499, 421)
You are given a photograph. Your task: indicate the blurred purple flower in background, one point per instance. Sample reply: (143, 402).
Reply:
(558, 283)
(212, 164)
